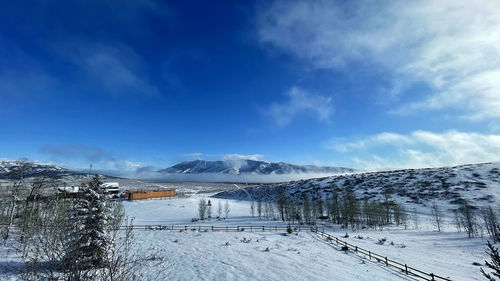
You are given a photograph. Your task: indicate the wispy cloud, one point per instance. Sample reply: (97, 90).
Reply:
(420, 149)
(77, 152)
(452, 46)
(256, 157)
(195, 154)
(77, 155)
(300, 102)
(112, 66)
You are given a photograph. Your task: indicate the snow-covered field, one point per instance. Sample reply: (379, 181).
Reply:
(205, 255)
(257, 255)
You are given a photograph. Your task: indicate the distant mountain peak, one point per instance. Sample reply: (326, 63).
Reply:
(248, 166)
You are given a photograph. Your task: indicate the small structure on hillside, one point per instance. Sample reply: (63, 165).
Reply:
(112, 188)
(73, 189)
(147, 194)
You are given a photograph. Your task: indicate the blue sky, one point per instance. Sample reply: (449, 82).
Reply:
(131, 84)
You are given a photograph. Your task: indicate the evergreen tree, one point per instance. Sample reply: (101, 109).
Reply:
(494, 265)
(88, 242)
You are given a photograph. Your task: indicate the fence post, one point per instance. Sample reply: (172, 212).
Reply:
(185, 227)
(337, 240)
(251, 229)
(356, 249)
(238, 228)
(406, 269)
(226, 228)
(386, 262)
(263, 228)
(369, 254)
(199, 228)
(432, 277)
(212, 228)
(275, 228)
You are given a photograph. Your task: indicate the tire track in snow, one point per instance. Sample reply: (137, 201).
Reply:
(244, 190)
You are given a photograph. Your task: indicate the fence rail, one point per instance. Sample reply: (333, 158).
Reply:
(251, 228)
(383, 259)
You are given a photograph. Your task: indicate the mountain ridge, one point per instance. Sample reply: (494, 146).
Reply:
(247, 166)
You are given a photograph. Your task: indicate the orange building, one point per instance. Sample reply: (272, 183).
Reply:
(147, 194)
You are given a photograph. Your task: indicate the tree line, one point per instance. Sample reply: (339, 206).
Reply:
(348, 210)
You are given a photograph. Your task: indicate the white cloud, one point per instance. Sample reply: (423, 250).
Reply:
(453, 46)
(300, 102)
(195, 154)
(421, 149)
(256, 157)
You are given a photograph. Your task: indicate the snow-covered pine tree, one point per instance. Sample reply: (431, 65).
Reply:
(88, 243)
(494, 265)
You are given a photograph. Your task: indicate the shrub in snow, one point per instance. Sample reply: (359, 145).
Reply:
(382, 241)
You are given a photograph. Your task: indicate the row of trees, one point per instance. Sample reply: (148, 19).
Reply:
(82, 237)
(474, 221)
(349, 211)
(342, 208)
(205, 210)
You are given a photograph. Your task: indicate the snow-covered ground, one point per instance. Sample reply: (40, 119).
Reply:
(204, 255)
(195, 255)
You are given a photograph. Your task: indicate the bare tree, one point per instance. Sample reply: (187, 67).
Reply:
(468, 219)
(219, 210)
(226, 209)
(458, 224)
(437, 215)
(415, 218)
(491, 223)
(252, 209)
(202, 209)
(259, 208)
(17, 174)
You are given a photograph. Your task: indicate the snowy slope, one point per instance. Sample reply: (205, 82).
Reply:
(479, 184)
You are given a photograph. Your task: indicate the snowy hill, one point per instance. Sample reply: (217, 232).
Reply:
(9, 169)
(249, 167)
(479, 184)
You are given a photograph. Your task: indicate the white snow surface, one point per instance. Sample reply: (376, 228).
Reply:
(194, 255)
(204, 255)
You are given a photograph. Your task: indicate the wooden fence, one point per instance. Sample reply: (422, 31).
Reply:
(251, 228)
(408, 270)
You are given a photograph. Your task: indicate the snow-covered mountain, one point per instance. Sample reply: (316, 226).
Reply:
(11, 169)
(244, 166)
(479, 184)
